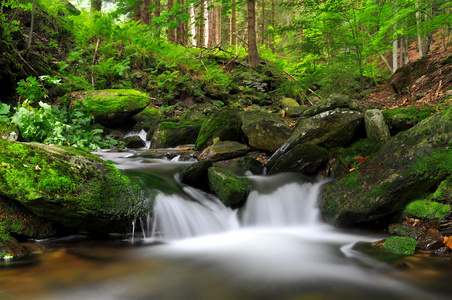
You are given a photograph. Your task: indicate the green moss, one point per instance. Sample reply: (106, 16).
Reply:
(400, 245)
(427, 209)
(444, 191)
(436, 166)
(232, 190)
(412, 114)
(4, 235)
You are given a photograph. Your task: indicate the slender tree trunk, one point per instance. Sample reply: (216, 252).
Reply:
(157, 15)
(407, 55)
(217, 26)
(395, 44)
(192, 25)
(206, 23)
(418, 25)
(145, 13)
(171, 31)
(253, 56)
(30, 37)
(211, 23)
(233, 24)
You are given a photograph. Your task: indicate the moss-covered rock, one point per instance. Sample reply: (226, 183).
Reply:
(410, 164)
(264, 131)
(111, 107)
(172, 134)
(69, 186)
(223, 124)
(223, 151)
(146, 117)
(306, 158)
(427, 209)
(10, 247)
(403, 118)
(20, 221)
(400, 245)
(251, 164)
(230, 189)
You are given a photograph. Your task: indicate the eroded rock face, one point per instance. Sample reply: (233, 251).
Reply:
(68, 186)
(410, 164)
(111, 107)
(264, 131)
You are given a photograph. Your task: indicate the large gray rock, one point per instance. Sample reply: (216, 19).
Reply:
(223, 151)
(331, 103)
(172, 134)
(411, 163)
(308, 159)
(111, 107)
(223, 124)
(196, 174)
(329, 129)
(376, 128)
(264, 131)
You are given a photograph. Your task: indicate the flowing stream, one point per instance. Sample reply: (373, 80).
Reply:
(193, 247)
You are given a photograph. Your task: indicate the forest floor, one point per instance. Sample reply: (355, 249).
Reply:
(421, 82)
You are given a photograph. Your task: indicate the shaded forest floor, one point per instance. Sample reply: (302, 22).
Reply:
(423, 81)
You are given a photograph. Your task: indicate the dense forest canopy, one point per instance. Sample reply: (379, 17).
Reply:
(338, 45)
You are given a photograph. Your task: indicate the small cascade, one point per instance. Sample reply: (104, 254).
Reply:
(142, 134)
(272, 203)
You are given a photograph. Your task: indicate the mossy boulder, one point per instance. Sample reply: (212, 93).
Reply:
(264, 131)
(134, 141)
(404, 118)
(400, 245)
(285, 103)
(333, 102)
(223, 151)
(10, 247)
(410, 164)
(69, 186)
(223, 124)
(427, 209)
(111, 107)
(172, 134)
(230, 189)
(146, 117)
(308, 159)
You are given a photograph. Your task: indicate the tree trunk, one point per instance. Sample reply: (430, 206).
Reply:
(171, 31)
(96, 5)
(263, 23)
(207, 23)
(145, 13)
(192, 25)
(395, 44)
(30, 37)
(211, 23)
(233, 24)
(201, 25)
(182, 26)
(217, 26)
(418, 25)
(253, 56)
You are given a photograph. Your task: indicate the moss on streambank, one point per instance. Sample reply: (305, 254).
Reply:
(400, 245)
(232, 190)
(68, 185)
(427, 209)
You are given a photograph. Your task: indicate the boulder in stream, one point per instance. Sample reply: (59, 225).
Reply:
(69, 186)
(223, 151)
(172, 134)
(230, 189)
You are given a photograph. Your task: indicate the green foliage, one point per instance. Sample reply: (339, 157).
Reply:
(30, 90)
(4, 112)
(400, 245)
(427, 209)
(361, 149)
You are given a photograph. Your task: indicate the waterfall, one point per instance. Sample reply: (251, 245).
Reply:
(275, 201)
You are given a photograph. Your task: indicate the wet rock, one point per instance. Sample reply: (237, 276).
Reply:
(411, 163)
(251, 164)
(223, 151)
(230, 189)
(134, 141)
(308, 159)
(328, 129)
(10, 247)
(376, 128)
(111, 107)
(223, 124)
(69, 186)
(295, 111)
(431, 240)
(195, 175)
(264, 131)
(172, 134)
